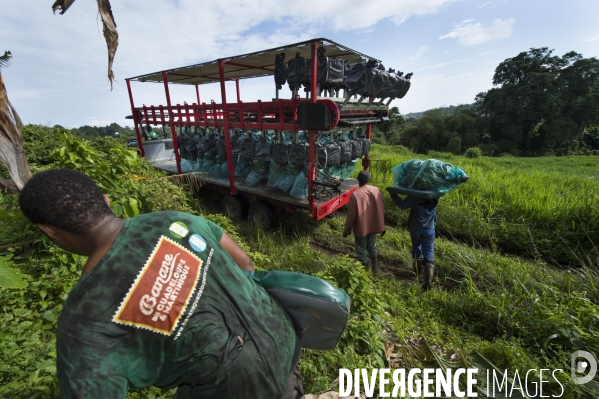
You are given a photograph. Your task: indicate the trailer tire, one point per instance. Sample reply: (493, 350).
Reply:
(235, 207)
(263, 215)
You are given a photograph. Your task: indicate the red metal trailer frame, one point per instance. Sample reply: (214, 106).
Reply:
(279, 114)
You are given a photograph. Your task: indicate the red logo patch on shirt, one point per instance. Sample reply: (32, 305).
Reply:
(162, 290)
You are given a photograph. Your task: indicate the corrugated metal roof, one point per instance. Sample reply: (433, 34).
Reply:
(208, 72)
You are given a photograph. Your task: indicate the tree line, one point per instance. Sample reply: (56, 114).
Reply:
(540, 104)
(113, 130)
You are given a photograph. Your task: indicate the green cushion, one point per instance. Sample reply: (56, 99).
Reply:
(318, 309)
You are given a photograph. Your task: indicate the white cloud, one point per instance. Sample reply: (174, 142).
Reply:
(58, 72)
(591, 38)
(444, 84)
(442, 64)
(469, 33)
(421, 51)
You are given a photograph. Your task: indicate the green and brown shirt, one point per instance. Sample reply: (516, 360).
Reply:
(164, 307)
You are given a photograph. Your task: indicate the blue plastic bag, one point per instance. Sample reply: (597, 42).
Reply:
(287, 181)
(300, 186)
(348, 169)
(258, 171)
(186, 166)
(432, 175)
(275, 174)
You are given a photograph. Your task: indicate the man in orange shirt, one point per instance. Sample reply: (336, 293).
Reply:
(366, 218)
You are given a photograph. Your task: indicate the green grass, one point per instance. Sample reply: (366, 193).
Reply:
(543, 208)
(519, 314)
(497, 292)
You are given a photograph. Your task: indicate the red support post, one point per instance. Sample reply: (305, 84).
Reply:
(239, 103)
(153, 108)
(221, 69)
(135, 120)
(172, 122)
(145, 114)
(311, 172)
(205, 111)
(281, 116)
(162, 117)
(197, 109)
(366, 159)
(214, 114)
(260, 115)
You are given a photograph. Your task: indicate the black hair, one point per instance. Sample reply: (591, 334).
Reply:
(363, 177)
(63, 198)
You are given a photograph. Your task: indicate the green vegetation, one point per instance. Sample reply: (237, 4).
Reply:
(543, 208)
(498, 294)
(541, 104)
(541, 101)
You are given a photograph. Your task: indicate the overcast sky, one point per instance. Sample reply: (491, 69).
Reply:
(58, 71)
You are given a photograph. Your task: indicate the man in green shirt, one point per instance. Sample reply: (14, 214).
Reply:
(162, 301)
(151, 133)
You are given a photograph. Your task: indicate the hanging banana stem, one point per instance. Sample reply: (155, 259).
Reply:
(12, 152)
(110, 33)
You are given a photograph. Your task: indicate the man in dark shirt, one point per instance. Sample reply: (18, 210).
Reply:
(421, 223)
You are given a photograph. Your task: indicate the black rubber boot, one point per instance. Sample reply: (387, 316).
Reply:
(417, 266)
(429, 272)
(375, 266)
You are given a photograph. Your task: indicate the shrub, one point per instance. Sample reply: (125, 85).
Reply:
(473, 152)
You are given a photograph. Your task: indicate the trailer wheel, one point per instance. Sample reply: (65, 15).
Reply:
(235, 207)
(263, 215)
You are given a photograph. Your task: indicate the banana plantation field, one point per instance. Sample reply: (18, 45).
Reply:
(517, 284)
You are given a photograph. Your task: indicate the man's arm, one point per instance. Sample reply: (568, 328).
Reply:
(351, 216)
(406, 203)
(236, 252)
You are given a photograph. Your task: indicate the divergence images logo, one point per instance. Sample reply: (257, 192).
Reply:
(579, 367)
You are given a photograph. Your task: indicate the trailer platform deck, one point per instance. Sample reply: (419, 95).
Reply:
(260, 190)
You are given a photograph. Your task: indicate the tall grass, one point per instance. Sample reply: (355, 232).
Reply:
(520, 314)
(545, 208)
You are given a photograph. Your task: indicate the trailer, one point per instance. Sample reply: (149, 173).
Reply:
(344, 98)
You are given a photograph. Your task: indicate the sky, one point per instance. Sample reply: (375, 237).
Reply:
(58, 74)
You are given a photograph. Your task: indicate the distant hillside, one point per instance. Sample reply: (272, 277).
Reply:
(451, 110)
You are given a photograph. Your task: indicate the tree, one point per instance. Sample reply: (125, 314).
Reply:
(388, 132)
(540, 100)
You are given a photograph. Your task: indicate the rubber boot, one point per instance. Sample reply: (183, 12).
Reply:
(375, 266)
(417, 266)
(367, 266)
(429, 272)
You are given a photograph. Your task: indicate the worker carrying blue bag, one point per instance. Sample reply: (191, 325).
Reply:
(424, 182)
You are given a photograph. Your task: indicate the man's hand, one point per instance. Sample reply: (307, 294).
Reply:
(237, 253)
